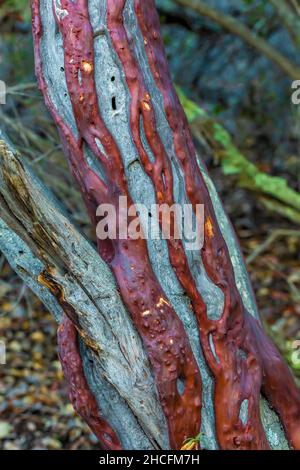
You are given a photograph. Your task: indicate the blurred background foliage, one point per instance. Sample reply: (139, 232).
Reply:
(233, 62)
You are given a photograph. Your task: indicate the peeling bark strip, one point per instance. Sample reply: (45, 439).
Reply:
(80, 396)
(158, 324)
(241, 357)
(160, 171)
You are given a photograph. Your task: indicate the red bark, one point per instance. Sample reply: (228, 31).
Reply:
(80, 395)
(243, 360)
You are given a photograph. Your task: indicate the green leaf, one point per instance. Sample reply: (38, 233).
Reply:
(233, 162)
(5, 429)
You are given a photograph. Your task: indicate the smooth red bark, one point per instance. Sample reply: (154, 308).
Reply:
(243, 361)
(82, 399)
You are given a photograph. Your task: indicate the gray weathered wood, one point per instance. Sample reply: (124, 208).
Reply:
(35, 235)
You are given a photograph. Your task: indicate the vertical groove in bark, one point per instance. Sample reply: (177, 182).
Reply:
(241, 358)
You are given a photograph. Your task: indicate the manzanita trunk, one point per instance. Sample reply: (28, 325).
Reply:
(102, 69)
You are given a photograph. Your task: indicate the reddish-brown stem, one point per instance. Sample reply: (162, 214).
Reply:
(80, 395)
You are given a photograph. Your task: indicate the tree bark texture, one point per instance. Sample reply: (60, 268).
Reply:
(157, 342)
